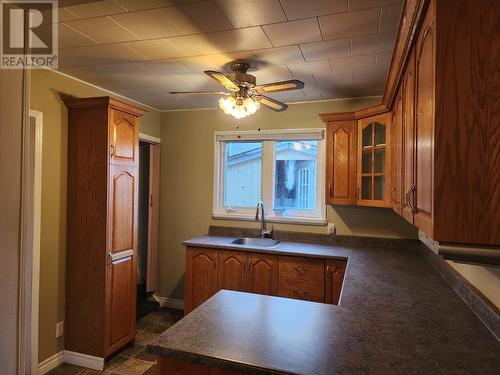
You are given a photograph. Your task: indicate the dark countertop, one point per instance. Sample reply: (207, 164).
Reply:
(396, 316)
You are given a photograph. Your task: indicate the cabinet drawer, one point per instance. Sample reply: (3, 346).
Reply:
(301, 278)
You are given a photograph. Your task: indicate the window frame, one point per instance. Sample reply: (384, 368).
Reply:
(269, 139)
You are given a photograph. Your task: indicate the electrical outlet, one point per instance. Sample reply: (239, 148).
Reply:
(60, 329)
(331, 228)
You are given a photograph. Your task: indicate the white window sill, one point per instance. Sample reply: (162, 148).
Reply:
(271, 218)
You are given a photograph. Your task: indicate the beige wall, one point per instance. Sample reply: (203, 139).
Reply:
(187, 183)
(11, 117)
(45, 89)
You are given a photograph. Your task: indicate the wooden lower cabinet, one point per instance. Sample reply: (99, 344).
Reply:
(210, 270)
(302, 278)
(201, 277)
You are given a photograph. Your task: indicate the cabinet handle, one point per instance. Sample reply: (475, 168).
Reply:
(112, 147)
(394, 194)
(300, 269)
(411, 204)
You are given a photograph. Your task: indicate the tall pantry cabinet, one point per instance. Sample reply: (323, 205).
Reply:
(102, 225)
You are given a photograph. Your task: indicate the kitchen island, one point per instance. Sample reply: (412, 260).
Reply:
(396, 316)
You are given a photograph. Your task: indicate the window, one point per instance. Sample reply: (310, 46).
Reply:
(284, 169)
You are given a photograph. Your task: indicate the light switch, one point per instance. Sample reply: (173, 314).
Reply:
(60, 329)
(331, 228)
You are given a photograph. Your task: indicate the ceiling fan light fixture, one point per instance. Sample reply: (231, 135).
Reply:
(238, 108)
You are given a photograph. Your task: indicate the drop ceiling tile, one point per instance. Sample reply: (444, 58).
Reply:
(114, 53)
(383, 60)
(346, 64)
(199, 17)
(148, 24)
(116, 70)
(372, 75)
(296, 9)
(251, 38)
(389, 20)
(365, 4)
(162, 67)
(198, 64)
(293, 32)
(71, 38)
(170, 82)
(312, 72)
(350, 24)
(273, 73)
(370, 44)
(244, 13)
(279, 55)
(326, 49)
(102, 29)
(96, 9)
(155, 49)
(79, 56)
(133, 5)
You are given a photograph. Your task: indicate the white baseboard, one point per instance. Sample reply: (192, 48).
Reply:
(170, 302)
(51, 363)
(84, 360)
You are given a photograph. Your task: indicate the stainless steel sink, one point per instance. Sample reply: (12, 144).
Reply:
(264, 242)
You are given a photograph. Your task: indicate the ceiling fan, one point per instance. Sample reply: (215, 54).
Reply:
(245, 96)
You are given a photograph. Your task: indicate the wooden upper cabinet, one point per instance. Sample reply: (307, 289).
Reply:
(201, 277)
(424, 124)
(335, 270)
(232, 270)
(374, 167)
(397, 154)
(262, 276)
(123, 138)
(408, 143)
(341, 162)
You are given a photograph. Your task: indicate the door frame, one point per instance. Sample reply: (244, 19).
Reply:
(153, 214)
(30, 239)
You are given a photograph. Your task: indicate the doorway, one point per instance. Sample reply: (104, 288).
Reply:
(147, 249)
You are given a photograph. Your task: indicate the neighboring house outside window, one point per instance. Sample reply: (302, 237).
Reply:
(283, 168)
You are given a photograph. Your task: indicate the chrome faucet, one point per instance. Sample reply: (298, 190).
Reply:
(263, 232)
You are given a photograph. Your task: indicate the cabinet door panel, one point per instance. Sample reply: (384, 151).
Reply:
(201, 277)
(408, 168)
(123, 208)
(335, 270)
(262, 277)
(123, 136)
(301, 278)
(397, 156)
(231, 270)
(341, 162)
(121, 302)
(424, 126)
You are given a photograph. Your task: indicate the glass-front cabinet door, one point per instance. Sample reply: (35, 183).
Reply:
(374, 161)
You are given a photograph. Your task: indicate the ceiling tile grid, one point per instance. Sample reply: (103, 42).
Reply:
(145, 49)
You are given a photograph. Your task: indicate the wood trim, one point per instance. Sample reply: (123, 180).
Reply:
(103, 101)
(153, 216)
(356, 115)
(339, 116)
(411, 19)
(149, 138)
(371, 111)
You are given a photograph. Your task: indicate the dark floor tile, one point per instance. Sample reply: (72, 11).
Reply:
(159, 327)
(145, 337)
(146, 356)
(153, 370)
(67, 369)
(115, 362)
(132, 350)
(133, 367)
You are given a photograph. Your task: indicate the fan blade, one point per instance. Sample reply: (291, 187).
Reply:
(223, 80)
(200, 93)
(292, 84)
(272, 104)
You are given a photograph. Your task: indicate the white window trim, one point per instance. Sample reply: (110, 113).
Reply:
(268, 152)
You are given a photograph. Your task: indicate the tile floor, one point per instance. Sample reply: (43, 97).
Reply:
(134, 360)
